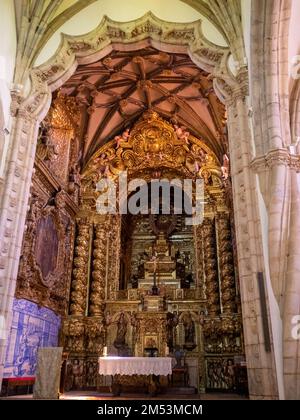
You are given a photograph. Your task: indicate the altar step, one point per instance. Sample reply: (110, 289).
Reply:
(184, 390)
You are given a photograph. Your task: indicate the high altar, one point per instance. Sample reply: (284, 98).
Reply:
(153, 283)
(149, 284)
(161, 268)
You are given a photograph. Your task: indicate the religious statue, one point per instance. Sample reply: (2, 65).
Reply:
(135, 281)
(188, 280)
(230, 377)
(179, 357)
(123, 138)
(180, 272)
(121, 332)
(91, 373)
(102, 165)
(189, 331)
(46, 148)
(74, 178)
(225, 168)
(154, 259)
(78, 373)
(172, 322)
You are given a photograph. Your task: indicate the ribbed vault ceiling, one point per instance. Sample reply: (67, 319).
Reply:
(117, 89)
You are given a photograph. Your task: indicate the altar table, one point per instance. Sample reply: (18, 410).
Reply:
(122, 367)
(135, 366)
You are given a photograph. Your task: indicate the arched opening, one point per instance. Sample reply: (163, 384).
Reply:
(164, 227)
(150, 131)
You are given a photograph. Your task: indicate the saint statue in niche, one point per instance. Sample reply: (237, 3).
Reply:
(172, 322)
(189, 331)
(120, 341)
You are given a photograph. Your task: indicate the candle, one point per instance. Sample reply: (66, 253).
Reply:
(104, 351)
(167, 350)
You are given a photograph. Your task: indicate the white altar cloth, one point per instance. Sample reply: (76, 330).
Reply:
(113, 365)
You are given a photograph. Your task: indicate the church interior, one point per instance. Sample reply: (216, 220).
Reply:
(189, 90)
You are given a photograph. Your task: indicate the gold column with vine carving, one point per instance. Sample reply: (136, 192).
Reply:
(114, 256)
(211, 267)
(97, 294)
(80, 271)
(198, 240)
(226, 264)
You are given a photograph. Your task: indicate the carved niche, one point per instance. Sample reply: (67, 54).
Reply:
(45, 254)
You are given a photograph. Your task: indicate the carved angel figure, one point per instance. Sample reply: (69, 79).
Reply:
(122, 138)
(225, 167)
(183, 136)
(182, 132)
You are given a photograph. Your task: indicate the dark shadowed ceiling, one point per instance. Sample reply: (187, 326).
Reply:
(117, 89)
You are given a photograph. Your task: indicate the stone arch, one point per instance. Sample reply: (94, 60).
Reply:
(188, 38)
(228, 22)
(43, 21)
(74, 50)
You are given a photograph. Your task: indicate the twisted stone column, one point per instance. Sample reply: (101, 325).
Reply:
(99, 269)
(226, 264)
(79, 282)
(211, 267)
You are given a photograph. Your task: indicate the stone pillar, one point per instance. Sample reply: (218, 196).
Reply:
(79, 285)
(277, 199)
(226, 264)
(211, 267)
(260, 363)
(100, 243)
(13, 208)
(291, 339)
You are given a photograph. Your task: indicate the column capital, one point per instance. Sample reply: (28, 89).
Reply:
(276, 157)
(232, 88)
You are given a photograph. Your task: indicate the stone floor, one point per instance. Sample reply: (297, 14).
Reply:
(92, 395)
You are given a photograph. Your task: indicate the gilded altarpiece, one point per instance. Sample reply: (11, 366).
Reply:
(46, 263)
(47, 251)
(195, 314)
(46, 254)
